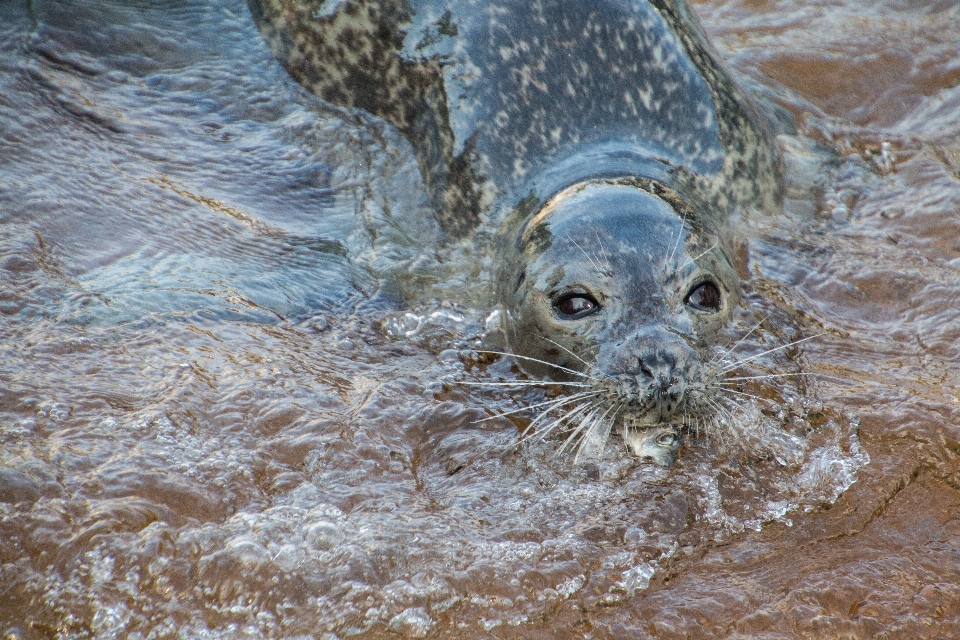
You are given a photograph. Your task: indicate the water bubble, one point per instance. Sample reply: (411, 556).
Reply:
(410, 322)
(248, 551)
(490, 624)
(569, 587)
(288, 557)
(444, 605)
(634, 535)
(56, 411)
(323, 535)
(414, 622)
(829, 471)
(637, 578)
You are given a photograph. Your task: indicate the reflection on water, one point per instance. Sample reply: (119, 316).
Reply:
(218, 419)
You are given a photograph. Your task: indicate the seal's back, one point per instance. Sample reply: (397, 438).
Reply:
(519, 98)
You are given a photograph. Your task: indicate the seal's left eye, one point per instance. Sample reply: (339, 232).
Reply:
(704, 297)
(576, 305)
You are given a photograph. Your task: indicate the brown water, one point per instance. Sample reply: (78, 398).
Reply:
(217, 419)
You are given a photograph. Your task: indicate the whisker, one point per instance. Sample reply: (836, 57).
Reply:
(712, 425)
(565, 418)
(595, 265)
(540, 434)
(741, 393)
(723, 410)
(576, 431)
(763, 353)
(745, 336)
(692, 260)
(619, 405)
(549, 364)
(683, 222)
(603, 253)
(553, 404)
(524, 383)
(768, 375)
(715, 433)
(601, 422)
(532, 431)
(573, 354)
(532, 428)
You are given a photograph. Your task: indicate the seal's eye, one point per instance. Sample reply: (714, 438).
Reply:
(704, 297)
(574, 306)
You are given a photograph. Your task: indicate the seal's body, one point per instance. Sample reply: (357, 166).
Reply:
(604, 140)
(518, 98)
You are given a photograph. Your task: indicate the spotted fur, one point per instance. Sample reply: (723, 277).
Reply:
(522, 98)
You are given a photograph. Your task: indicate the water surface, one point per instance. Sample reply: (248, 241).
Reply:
(233, 348)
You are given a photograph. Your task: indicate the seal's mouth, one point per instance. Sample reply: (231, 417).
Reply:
(649, 421)
(649, 400)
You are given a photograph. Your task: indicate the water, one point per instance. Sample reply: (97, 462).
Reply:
(233, 353)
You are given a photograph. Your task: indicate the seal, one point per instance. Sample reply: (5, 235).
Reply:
(607, 147)
(608, 291)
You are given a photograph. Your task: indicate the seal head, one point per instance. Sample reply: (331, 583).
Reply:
(611, 288)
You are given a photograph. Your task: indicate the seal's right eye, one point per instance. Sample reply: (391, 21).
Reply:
(574, 306)
(704, 297)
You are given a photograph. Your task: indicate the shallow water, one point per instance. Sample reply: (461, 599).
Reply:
(219, 418)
